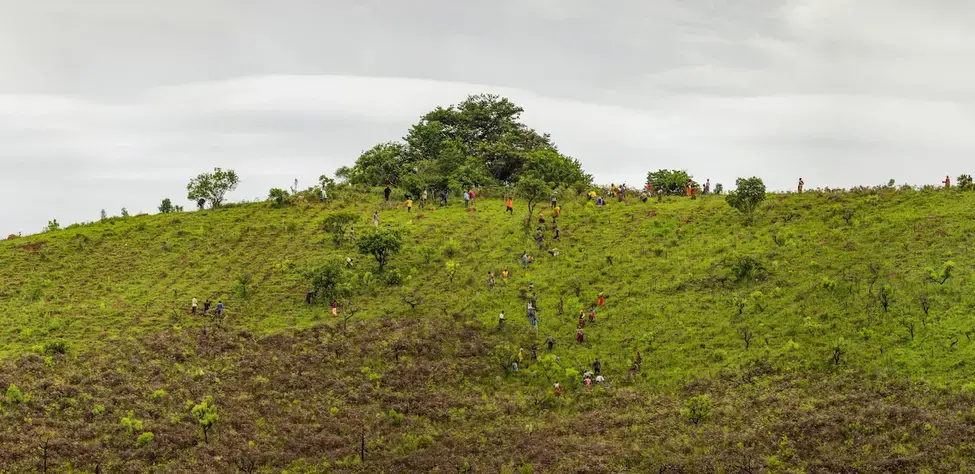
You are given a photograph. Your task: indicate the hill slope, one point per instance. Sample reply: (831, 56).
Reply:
(762, 347)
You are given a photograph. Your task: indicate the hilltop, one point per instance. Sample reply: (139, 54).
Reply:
(832, 333)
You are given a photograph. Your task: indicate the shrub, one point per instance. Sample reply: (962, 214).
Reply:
(144, 439)
(828, 284)
(277, 196)
(130, 423)
(14, 395)
(326, 281)
(395, 417)
(745, 268)
(52, 225)
(718, 188)
(206, 416)
(451, 249)
(394, 277)
(158, 394)
(166, 206)
(749, 194)
(98, 410)
(55, 347)
(338, 225)
(125, 212)
(697, 409)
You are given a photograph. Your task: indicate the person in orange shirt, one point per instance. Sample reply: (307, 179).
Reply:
(509, 204)
(409, 205)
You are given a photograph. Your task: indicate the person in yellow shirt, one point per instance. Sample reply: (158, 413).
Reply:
(557, 212)
(592, 195)
(409, 205)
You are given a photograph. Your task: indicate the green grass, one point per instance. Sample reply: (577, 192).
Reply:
(672, 294)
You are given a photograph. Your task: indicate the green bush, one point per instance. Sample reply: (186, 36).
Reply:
(14, 395)
(55, 347)
(144, 439)
(697, 409)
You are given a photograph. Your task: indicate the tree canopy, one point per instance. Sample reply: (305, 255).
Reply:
(212, 186)
(669, 181)
(749, 194)
(475, 143)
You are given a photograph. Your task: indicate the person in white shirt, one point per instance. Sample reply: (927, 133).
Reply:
(193, 306)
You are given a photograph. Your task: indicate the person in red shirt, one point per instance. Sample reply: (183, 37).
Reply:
(579, 336)
(601, 300)
(947, 182)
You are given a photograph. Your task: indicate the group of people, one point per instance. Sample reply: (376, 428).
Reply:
(206, 306)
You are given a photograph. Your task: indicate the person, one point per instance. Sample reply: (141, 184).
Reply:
(592, 195)
(501, 320)
(947, 182)
(509, 209)
(582, 322)
(386, 192)
(219, 309)
(206, 306)
(349, 263)
(612, 190)
(534, 320)
(375, 218)
(643, 196)
(553, 202)
(423, 198)
(801, 184)
(514, 366)
(557, 212)
(557, 234)
(200, 203)
(550, 342)
(557, 390)
(443, 198)
(308, 296)
(588, 382)
(592, 314)
(409, 205)
(471, 192)
(599, 201)
(534, 353)
(335, 308)
(707, 187)
(324, 194)
(600, 300)
(467, 200)
(687, 188)
(521, 354)
(600, 379)
(596, 366)
(693, 192)
(561, 307)
(524, 261)
(491, 279)
(505, 274)
(193, 305)
(541, 218)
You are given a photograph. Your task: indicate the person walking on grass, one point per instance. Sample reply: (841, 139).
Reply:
(553, 202)
(491, 279)
(324, 194)
(557, 212)
(596, 366)
(501, 320)
(592, 315)
(467, 200)
(443, 198)
(193, 306)
(550, 342)
(509, 207)
(335, 308)
(206, 306)
(601, 300)
(219, 309)
(375, 218)
(409, 205)
(579, 336)
(505, 274)
(386, 192)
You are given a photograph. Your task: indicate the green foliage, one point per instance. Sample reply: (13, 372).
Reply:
(533, 190)
(327, 280)
(144, 439)
(166, 207)
(14, 395)
(673, 182)
(749, 194)
(697, 409)
(125, 213)
(395, 417)
(130, 423)
(212, 186)
(745, 268)
(381, 244)
(158, 394)
(205, 414)
(718, 189)
(943, 274)
(277, 197)
(52, 225)
(475, 143)
(55, 347)
(98, 410)
(338, 224)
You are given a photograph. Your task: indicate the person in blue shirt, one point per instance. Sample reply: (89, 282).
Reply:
(220, 308)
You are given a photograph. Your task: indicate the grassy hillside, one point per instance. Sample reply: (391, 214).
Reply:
(763, 348)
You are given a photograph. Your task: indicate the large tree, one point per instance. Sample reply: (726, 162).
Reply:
(672, 182)
(381, 244)
(477, 142)
(212, 186)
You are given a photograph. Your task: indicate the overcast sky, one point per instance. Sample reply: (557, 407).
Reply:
(112, 103)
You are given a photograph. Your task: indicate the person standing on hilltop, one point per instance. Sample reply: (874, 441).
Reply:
(802, 184)
(707, 187)
(386, 192)
(947, 182)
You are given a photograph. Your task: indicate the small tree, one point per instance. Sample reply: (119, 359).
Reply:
(381, 244)
(532, 190)
(212, 186)
(746, 335)
(338, 224)
(750, 193)
(206, 416)
(52, 225)
(277, 196)
(125, 212)
(697, 409)
(104, 215)
(669, 181)
(326, 281)
(718, 188)
(166, 207)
